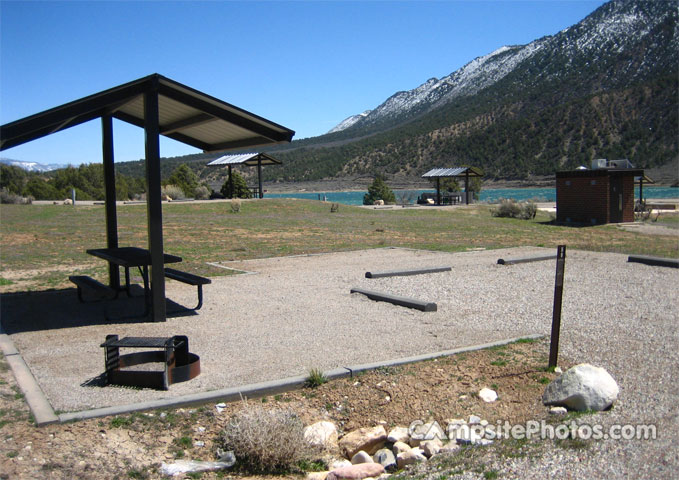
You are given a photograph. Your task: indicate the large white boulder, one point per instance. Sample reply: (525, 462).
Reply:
(322, 435)
(583, 387)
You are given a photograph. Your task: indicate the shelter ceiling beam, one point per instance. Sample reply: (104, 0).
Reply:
(233, 118)
(253, 142)
(175, 136)
(193, 121)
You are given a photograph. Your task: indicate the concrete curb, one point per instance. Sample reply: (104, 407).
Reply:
(655, 261)
(35, 398)
(396, 300)
(514, 261)
(274, 387)
(402, 273)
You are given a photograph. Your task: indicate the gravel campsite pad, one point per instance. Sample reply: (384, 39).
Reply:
(297, 313)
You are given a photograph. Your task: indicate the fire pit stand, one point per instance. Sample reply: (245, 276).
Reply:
(180, 364)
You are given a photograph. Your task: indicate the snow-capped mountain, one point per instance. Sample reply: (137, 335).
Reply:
(31, 166)
(616, 29)
(346, 123)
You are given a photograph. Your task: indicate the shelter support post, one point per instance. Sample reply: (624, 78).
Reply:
(110, 195)
(230, 183)
(641, 190)
(438, 191)
(466, 187)
(154, 206)
(259, 177)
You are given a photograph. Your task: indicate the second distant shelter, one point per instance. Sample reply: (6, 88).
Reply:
(454, 172)
(251, 160)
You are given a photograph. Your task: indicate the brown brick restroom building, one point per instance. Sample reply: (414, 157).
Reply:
(595, 197)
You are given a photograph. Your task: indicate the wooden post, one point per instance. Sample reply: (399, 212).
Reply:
(556, 315)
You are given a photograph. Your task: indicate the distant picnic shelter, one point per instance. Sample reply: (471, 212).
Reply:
(453, 172)
(160, 106)
(248, 159)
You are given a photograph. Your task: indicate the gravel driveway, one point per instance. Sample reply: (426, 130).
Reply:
(296, 313)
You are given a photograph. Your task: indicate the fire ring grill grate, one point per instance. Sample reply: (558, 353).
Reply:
(179, 364)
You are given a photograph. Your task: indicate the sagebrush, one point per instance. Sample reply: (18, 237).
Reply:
(266, 440)
(172, 191)
(508, 208)
(13, 198)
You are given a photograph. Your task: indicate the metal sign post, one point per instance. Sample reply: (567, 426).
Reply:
(556, 315)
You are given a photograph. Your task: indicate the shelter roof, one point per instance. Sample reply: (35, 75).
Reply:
(453, 172)
(185, 115)
(644, 178)
(250, 159)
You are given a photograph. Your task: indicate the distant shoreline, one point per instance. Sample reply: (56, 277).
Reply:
(362, 184)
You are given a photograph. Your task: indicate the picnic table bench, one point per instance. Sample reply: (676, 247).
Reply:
(190, 279)
(84, 282)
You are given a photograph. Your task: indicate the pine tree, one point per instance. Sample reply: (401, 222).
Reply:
(379, 191)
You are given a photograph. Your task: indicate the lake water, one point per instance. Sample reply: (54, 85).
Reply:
(488, 196)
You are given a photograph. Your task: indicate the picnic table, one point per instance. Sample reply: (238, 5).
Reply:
(130, 257)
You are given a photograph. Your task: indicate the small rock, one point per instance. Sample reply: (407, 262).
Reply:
(583, 387)
(386, 458)
(368, 439)
(488, 395)
(400, 447)
(398, 434)
(199, 443)
(322, 435)
(356, 472)
(431, 447)
(558, 370)
(361, 457)
(340, 463)
(410, 457)
(558, 411)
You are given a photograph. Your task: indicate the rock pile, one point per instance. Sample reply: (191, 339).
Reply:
(372, 452)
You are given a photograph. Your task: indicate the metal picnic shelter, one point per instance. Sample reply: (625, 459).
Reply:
(465, 172)
(160, 106)
(249, 159)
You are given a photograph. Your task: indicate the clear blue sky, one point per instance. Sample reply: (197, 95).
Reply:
(305, 65)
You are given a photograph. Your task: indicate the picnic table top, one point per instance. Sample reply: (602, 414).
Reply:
(129, 256)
